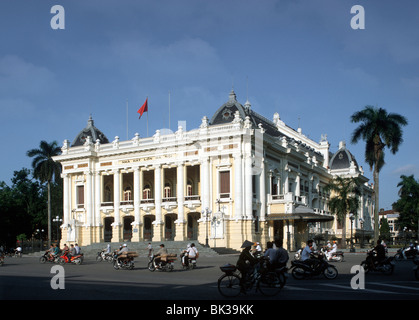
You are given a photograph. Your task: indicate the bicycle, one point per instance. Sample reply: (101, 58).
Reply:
(267, 282)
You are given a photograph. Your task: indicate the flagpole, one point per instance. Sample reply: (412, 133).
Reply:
(169, 109)
(127, 119)
(147, 116)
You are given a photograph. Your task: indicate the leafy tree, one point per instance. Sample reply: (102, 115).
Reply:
(408, 204)
(385, 230)
(345, 193)
(46, 170)
(378, 129)
(20, 207)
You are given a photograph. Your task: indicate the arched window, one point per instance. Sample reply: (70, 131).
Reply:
(147, 192)
(189, 189)
(167, 191)
(127, 194)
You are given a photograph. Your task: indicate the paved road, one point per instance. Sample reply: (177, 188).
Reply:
(26, 278)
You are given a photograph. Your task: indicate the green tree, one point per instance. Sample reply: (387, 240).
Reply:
(345, 193)
(21, 207)
(46, 170)
(385, 233)
(378, 129)
(408, 204)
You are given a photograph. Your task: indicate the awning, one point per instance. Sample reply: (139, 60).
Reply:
(301, 213)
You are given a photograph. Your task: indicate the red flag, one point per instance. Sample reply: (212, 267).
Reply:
(144, 108)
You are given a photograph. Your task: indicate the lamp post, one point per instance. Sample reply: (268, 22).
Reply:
(57, 220)
(361, 221)
(207, 212)
(40, 237)
(352, 217)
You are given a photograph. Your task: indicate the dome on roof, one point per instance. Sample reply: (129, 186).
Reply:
(343, 159)
(226, 112)
(90, 131)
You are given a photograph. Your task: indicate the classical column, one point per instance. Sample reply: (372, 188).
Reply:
(286, 180)
(98, 200)
(98, 235)
(89, 197)
(66, 200)
(116, 237)
(238, 187)
(137, 202)
(262, 192)
(158, 230)
(180, 222)
(137, 193)
(205, 184)
(248, 193)
(298, 184)
(158, 192)
(181, 191)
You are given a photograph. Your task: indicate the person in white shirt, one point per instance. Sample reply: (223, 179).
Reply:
(192, 251)
(332, 251)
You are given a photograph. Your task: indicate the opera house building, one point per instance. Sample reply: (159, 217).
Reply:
(238, 176)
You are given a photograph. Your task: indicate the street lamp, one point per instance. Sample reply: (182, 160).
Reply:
(40, 237)
(361, 221)
(58, 220)
(207, 212)
(352, 217)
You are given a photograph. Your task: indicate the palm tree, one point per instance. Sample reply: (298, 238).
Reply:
(46, 170)
(378, 129)
(344, 200)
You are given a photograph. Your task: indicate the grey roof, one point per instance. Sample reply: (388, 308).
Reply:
(342, 159)
(91, 131)
(225, 114)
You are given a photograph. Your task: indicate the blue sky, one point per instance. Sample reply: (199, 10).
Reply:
(300, 58)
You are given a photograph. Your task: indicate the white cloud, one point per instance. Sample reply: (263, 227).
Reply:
(406, 170)
(19, 77)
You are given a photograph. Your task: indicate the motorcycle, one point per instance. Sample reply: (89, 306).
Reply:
(317, 265)
(187, 263)
(103, 256)
(336, 256)
(406, 253)
(166, 263)
(47, 258)
(416, 267)
(386, 266)
(77, 259)
(282, 274)
(126, 262)
(297, 255)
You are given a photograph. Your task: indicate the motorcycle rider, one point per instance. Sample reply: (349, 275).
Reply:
(282, 256)
(71, 252)
(191, 253)
(412, 247)
(78, 250)
(55, 251)
(162, 252)
(306, 255)
(246, 262)
(122, 251)
(270, 254)
(65, 248)
(332, 250)
(380, 256)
